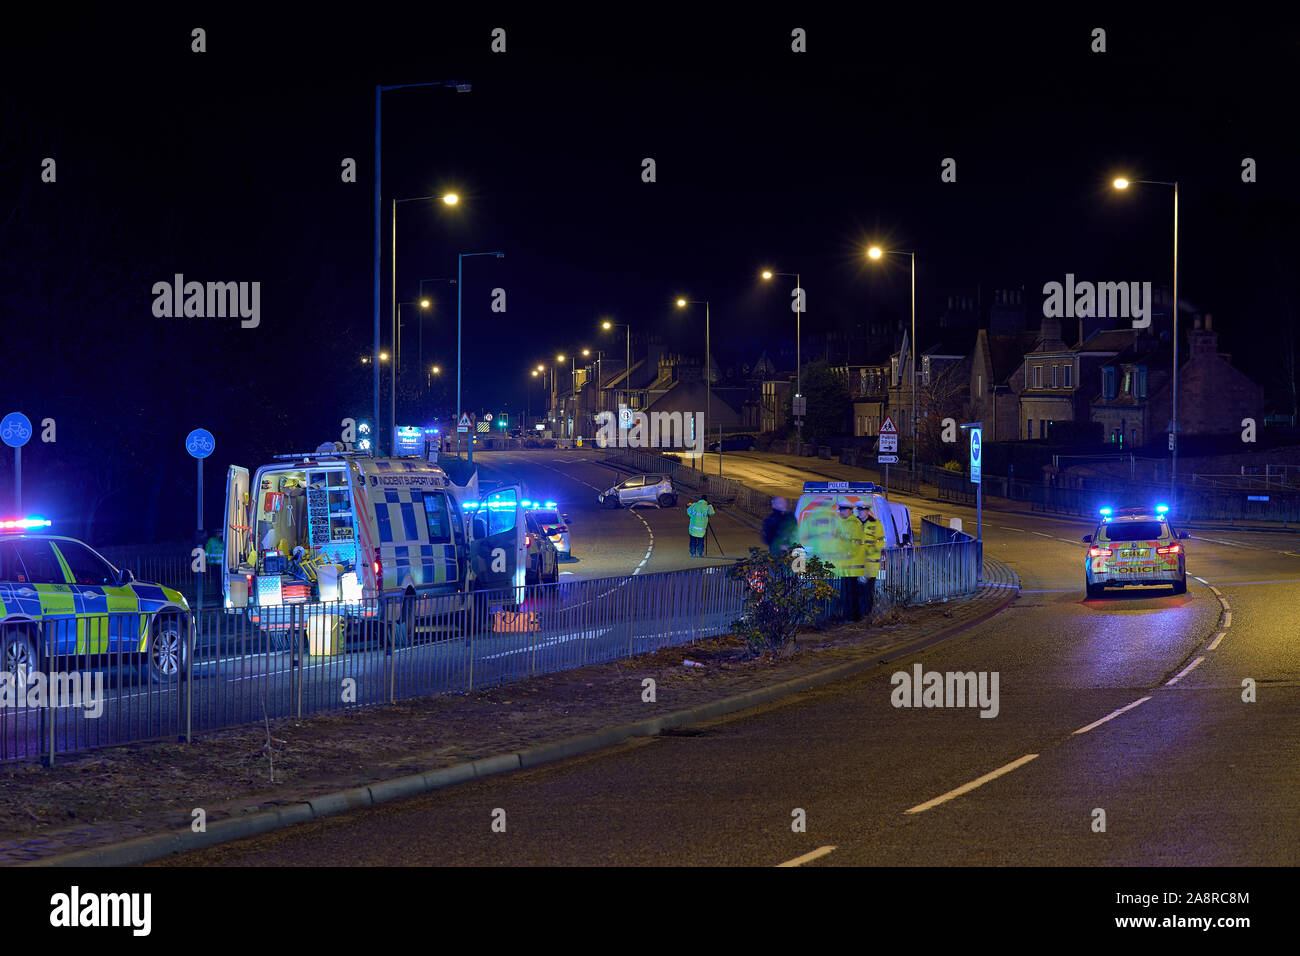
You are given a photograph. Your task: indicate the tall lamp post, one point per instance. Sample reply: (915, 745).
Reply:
(1124, 184)
(708, 382)
(798, 360)
(448, 199)
(627, 360)
(423, 300)
(460, 267)
(397, 357)
(875, 252)
(460, 87)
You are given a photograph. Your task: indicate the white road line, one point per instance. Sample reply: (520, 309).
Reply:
(1183, 673)
(1227, 619)
(1217, 592)
(1202, 580)
(1009, 528)
(968, 787)
(1040, 534)
(1215, 643)
(1111, 716)
(807, 857)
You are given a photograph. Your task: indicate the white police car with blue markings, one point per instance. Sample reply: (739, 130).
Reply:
(1135, 547)
(63, 606)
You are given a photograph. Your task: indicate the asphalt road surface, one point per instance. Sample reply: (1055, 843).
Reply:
(1129, 706)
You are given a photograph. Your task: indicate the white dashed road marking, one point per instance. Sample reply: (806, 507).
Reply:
(807, 857)
(968, 787)
(1111, 716)
(1183, 673)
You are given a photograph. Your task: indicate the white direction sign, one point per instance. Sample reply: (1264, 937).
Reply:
(888, 436)
(887, 459)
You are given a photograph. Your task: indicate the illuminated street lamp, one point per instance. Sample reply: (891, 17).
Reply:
(1122, 183)
(627, 360)
(875, 252)
(708, 383)
(798, 361)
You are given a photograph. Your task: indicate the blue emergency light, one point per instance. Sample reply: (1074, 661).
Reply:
(1161, 509)
(23, 524)
(550, 504)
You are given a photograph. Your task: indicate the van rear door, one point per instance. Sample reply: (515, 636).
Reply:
(236, 532)
(498, 555)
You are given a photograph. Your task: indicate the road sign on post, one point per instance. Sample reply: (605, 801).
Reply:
(976, 455)
(975, 449)
(888, 437)
(200, 444)
(800, 406)
(16, 431)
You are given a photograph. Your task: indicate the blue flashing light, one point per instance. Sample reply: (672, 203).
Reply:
(550, 504)
(1105, 511)
(1161, 509)
(23, 524)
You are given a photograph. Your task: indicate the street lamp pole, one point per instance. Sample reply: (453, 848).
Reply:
(798, 357)
(460, 87)
(460, 275)
(875, 252)
(708, 382)
(1124, 184)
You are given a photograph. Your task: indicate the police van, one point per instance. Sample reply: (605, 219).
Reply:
(372, 537)
(817, 511)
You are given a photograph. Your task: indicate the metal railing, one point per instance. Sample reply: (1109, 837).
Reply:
(118, 678)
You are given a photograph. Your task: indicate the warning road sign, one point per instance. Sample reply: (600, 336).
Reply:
(464, 420)
(888, 436)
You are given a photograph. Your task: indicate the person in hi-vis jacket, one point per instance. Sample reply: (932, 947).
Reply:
(699, 513)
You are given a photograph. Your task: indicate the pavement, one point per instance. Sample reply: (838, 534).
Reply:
(567, 715)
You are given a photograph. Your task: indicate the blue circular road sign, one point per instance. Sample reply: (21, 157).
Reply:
(15, 430)
(200, 443)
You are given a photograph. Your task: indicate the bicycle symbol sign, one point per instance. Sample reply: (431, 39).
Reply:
(200, 443)
(15, 430)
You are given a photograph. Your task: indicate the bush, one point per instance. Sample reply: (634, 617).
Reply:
(780, 596)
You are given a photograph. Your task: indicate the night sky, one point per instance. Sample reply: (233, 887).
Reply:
(225, 166)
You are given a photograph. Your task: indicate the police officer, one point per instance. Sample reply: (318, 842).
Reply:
(779, 527)
(874, 533)
(853, 546)
(699, 512)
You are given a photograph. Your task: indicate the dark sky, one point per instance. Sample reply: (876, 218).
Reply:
(225, 166)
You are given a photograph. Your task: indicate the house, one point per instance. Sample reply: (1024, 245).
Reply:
(996, 379)
(1060, 381)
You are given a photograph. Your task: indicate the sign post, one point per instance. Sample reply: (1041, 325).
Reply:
(200, 444)
(888, 448)
(976, 463)
(463, 426)
(16, 431)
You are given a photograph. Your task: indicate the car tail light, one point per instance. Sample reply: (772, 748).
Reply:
(1169, 549)
(379, 567)
(1100, 552)
(528, 541)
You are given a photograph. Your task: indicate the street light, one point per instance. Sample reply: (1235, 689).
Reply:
(460, 86)
(708, 382)
(875, 252)
(1124, 184)
(798, 360)
(460, 275)
(395, 204)
(627, 360)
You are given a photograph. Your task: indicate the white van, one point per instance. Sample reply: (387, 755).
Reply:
(338, 527)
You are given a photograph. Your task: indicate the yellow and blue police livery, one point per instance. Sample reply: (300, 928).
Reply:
(63, 605)
(1135, 547)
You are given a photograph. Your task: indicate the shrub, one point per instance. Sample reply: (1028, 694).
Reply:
(784, 592)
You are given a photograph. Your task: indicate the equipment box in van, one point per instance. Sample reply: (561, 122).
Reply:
(369, 535)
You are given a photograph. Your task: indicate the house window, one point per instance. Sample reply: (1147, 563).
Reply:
(1135, 436)
(979, 384)
(1128, 382)
(1108, 383)
(1038, 376)
(1069, 374)
(1053, 376)
(1142, 381)
(1030, 432)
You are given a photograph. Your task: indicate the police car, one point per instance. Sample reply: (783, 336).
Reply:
(59, 597)
(553, 524)
(1134, 547)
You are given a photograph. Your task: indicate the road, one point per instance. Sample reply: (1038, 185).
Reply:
(1130, 705)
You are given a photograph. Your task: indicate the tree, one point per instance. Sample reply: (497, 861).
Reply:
(830, 410)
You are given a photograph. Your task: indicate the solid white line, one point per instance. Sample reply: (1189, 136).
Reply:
(1227, 618)
(1040, 534)
(1183, 673)
(1008, 528)
(1217, 592)
(1218, 638)
(968, 787)
(807, 857)
(1111, 716)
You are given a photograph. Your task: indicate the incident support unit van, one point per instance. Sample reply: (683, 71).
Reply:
(358, 532)
(817, 515)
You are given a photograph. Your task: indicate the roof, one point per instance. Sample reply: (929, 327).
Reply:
(1006, 352)
(1107, 340)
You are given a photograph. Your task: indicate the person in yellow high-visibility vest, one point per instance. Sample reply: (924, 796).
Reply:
(874, 532)
(851, 547)
(699, 513)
